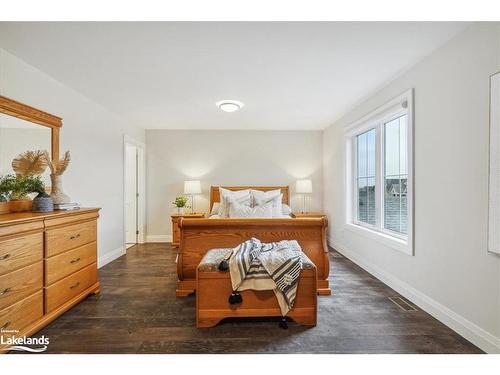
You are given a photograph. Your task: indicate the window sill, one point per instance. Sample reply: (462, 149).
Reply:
(385, 239)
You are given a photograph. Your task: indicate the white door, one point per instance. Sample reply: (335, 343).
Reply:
(131, 194)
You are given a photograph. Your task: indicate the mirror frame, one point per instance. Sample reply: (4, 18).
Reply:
(25, 112)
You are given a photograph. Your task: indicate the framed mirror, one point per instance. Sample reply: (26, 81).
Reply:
(17, 136)
(24, 128)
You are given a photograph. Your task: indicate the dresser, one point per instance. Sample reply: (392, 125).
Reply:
(48, 263)
(176, 231)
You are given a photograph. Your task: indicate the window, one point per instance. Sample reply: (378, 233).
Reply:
(365, 177)
(396, 175)
(379, 178)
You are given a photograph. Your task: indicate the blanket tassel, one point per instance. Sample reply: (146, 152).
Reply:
(235, 298)
(223, 266)
(283, 324)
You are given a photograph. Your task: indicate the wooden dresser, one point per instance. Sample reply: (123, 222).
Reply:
(48, 263)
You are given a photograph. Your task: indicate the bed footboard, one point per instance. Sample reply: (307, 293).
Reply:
(200, 235)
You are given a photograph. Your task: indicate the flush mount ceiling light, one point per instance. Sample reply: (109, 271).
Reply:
(229, 105)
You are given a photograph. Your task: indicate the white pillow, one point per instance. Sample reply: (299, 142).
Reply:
(240, 210)
(262, 197)
(286, 209)
(215, 209)
(241, 196)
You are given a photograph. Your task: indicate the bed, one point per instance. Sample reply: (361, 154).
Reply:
(200, 235)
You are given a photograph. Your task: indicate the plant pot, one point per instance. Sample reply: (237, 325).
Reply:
(180, 210)
(4, 208)
(20, 205)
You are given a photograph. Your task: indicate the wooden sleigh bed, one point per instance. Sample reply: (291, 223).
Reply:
(200, 235)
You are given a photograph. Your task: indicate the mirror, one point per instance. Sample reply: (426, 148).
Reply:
(24, 128)
(18, 136)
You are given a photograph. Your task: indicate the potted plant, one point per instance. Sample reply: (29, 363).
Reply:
(16, 190)
(180, 202)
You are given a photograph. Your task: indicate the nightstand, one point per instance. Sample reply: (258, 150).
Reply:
(176, 231)
(308, 214)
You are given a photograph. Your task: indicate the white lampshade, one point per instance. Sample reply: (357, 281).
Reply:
(192, 187)
(303, 186)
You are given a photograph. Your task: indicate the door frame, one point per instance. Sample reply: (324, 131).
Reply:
(141, 189)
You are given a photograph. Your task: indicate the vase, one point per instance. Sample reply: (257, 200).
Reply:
(57, 192)
(43, 203)
(180, 210)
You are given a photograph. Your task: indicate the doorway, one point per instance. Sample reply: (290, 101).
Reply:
(134, 186)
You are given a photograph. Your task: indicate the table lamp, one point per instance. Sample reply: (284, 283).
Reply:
(191, 188)
(303, 187)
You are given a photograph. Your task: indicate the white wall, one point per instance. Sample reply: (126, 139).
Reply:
(94, 136)
(218, 157)
(451, 275)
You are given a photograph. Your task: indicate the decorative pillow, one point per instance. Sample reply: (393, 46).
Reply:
(241, 196)
(215, 209)
(240, 210)
(286, 209)
(262, 197)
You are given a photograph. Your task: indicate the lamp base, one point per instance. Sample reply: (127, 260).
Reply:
(192, 204)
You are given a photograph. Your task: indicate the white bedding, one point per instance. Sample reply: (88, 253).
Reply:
(250, 203)
(258, 211)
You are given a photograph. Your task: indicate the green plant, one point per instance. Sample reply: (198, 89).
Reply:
(18, 187)
(180, 201)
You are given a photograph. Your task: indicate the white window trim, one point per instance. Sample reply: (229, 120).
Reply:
(389, 238)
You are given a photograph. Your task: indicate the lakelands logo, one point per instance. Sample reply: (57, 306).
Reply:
(23, 343)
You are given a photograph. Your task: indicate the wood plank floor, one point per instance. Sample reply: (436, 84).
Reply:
(137, 312)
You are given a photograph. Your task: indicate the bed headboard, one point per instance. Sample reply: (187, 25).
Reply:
(215, 195)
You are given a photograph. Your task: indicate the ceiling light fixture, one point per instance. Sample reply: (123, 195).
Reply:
(229, 105)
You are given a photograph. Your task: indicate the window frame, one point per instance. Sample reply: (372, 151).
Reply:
(377, 120)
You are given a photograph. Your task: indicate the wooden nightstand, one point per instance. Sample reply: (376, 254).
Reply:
(307, 214)
(176, 231)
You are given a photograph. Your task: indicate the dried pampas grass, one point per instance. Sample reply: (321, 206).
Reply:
(57, 167)
(30, 163)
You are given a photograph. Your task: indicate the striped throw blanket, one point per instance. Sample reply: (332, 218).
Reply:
(267, 266)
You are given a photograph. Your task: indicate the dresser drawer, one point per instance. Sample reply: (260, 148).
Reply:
(6, 230)
(21, 314)
(69, 287)
(62, 265)
(16, 285)
(20, 251)
(69, 237)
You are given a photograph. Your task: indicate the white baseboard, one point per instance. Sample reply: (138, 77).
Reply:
(472, 332)
(159, 238)
(110, 256)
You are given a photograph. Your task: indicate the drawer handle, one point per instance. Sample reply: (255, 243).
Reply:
(5, 325)
(75, 236)
(5, 257)
(75, 260)
(5, 291)
(75, 285)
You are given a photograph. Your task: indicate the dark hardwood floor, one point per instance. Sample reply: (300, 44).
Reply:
(137, 312)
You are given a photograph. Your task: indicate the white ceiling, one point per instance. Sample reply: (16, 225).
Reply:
(169, 75)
